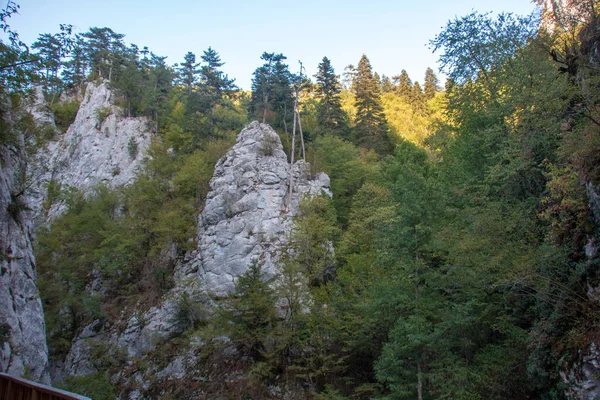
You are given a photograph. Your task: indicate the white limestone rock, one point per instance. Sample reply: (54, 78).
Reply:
(23, 348)
(39, 109)
(90, 152)
(246, 218)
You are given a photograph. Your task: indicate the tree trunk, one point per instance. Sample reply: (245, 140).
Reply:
(418, 310)
(292, 156)
(419, 382)
(266, 102)
(287, 134)
(301, 136)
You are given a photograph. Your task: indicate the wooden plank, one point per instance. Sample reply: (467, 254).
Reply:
(30, 390)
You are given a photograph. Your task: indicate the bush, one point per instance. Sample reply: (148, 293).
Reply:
(132, 148)
(269, 145)
(53, 192)
(189, 310)
(102, 114)
(4, 333)
(65, 113)
(97, 386)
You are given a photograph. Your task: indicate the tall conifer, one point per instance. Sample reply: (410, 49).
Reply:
(330, 115)
(371, 126)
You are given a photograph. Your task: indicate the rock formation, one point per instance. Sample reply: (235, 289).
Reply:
(246, 219)
(582, 379)
(100, 146)
(23, 349)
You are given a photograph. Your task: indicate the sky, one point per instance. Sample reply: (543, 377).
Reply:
(393, 34)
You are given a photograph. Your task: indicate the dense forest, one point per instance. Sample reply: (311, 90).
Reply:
(456, 259)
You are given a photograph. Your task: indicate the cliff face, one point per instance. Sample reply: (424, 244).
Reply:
(100, 146)
(23, 349)
(246, 219)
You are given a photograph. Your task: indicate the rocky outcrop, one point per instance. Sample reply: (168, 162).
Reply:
(23, 349)
(39, 109)
(246, 218)
(101, 146)
(583, 378)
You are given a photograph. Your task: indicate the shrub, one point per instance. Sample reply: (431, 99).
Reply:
(132, 148)
(102, 114)
(4, 333)
(97, 386)
(53, 192)
(268, 145)
(65, 113)
(189, 310)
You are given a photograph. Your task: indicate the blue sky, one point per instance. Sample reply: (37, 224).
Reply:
(393, 34)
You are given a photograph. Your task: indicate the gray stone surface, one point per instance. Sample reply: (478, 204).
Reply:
(247, 218)
(39, 109)
(90, 152)
(23, 349)
(583, 378)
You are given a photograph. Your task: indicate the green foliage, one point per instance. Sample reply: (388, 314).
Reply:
(330, 117)
(348, 168)
(102, 114)
(53, 194)
(371, 126)
(454, 265)
(65, 113)
(189, 310)
(132, 148)
(271, 91)
(251, 313)
(96, 386)
(312, 236)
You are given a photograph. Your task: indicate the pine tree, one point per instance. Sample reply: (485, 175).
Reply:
(188, 71)
(271, 89)
(371, 126)
(386, 84)
(104, 50)
(330, 115)
(431, 84)
(404, 84)
(51, 50)
(251, 313)
(75, 69)
(215, 82)
(417, 97)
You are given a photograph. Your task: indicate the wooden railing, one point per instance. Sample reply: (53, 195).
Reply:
(12, 388)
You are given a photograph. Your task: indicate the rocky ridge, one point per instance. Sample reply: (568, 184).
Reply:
(100, 146)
